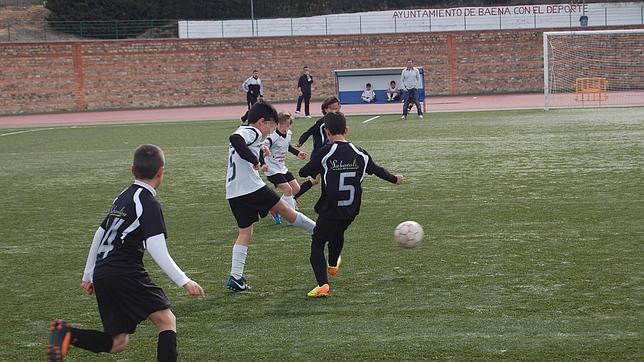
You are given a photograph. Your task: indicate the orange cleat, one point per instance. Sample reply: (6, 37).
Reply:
(59, 340)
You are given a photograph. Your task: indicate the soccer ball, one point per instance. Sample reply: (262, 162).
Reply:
(408, 234)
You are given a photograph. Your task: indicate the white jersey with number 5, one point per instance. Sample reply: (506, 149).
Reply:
(242, 178)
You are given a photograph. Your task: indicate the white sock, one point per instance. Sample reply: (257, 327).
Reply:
(239, 260)
(289, 200)
(303, 222)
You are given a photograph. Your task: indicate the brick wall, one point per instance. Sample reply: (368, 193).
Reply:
(94, 75)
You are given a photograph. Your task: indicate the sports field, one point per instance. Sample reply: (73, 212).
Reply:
(534, 245)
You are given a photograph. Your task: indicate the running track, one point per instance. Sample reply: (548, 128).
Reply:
(434, 104)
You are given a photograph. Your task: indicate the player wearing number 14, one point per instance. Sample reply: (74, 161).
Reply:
(125, 293)
(343, 166)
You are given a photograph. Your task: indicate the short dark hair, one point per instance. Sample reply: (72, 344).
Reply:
(262, 110)
(368, 84)
(306, 67)
(148, 159)
(327, 102)
(335, 123)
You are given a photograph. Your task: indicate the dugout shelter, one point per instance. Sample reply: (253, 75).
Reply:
(349, 83)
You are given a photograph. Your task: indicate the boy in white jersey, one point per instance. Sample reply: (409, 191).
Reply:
(248, 196)
(279, 145)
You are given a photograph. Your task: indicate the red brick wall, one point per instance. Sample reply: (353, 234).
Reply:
(93, 75)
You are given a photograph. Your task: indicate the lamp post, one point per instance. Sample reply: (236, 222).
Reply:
(252, 18)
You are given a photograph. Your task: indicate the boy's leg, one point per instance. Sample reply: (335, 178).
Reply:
(62, 335)
(317, 260)
(336, 243)
(240, 250)
(306, 186)
(166, 323)
(294, 217)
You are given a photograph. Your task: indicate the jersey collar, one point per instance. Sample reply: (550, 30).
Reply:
(146, 186)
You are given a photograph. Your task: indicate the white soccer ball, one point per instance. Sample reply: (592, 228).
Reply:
(408, 234)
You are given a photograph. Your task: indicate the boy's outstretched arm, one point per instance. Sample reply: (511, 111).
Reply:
(158, 250)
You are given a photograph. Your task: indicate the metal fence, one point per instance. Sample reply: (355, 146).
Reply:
(363, 23)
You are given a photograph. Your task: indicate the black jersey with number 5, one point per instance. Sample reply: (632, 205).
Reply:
(342, 166)
(135, 216)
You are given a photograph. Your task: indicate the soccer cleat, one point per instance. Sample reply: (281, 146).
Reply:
(308, 116)
(276, 217)
(237, 285)
(319, 291)
(297, 112)
(420, 116)
(59, 340)
(333, 270)
(403, 118)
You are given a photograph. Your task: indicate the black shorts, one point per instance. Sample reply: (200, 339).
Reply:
(280, 178)
(124, 301)
(248, 208)
(330, 230)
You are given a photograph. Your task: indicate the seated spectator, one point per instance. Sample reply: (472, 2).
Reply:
(393, 93)
(368, 95)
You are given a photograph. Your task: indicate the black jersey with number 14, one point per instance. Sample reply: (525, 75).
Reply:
(342, 166)
(134, 216)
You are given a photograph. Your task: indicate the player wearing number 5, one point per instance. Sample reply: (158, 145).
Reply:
(114, 270)
(342, 165)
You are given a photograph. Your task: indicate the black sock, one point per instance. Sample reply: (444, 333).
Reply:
(335, 249)
(91, 340)
(317, 261)
(306, 186)
(167, 347)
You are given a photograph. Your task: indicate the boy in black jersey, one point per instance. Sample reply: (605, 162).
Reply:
(329, 105)
(342, 165)
(125, 293)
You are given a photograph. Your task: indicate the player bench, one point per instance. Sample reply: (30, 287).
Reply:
(349, 83)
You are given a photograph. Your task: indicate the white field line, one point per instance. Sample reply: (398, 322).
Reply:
(370, 119)
(25, 131)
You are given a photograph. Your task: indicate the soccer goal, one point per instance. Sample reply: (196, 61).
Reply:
(593, 68)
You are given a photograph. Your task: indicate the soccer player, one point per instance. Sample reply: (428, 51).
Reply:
(279, 145)
(125, 293)
(247, 195)
(329, 105)
(343, 166)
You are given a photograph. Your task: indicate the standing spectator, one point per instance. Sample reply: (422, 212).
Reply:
(410, 80)
(254, 92)
(304, 87)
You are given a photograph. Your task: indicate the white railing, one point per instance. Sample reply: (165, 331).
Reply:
(420, 20)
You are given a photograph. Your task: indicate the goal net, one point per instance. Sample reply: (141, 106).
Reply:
(593, 68)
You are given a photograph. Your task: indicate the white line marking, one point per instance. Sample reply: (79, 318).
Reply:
(25, 131)
(370, 119)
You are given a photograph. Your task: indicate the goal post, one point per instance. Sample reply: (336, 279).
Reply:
(593, 68)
